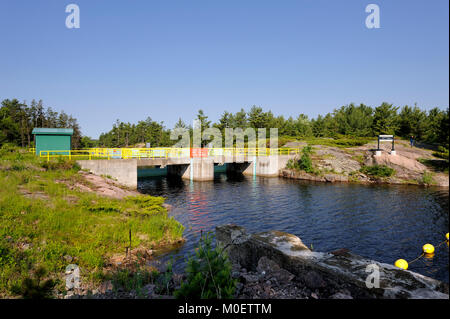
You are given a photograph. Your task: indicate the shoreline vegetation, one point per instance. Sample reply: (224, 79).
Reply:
(53, 216)
(328, 162)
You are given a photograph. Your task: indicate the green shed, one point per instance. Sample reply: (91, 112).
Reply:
(53, 139)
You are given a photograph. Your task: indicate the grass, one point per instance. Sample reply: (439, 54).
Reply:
(42, 220)
(359, 158)
(339, 141)
(129, 280)
(435, 164)
(378, 171)
(442, 152)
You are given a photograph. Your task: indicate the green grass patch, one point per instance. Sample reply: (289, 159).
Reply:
(359, 158)
(42, 220)
(340, 141)
(378, 171)
(442, 152)
(427, 178)
(435, 164)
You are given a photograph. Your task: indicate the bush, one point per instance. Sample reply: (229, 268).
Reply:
(378, 170)
(61, 164)
(291, 164)
(8, 148)
(427, 178)
(35, 287)
(304, 163)
(208, 274)
(305, 160)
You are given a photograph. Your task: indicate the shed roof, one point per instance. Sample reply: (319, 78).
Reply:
(52, 131)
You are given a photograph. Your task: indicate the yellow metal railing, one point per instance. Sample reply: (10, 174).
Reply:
(163, 152)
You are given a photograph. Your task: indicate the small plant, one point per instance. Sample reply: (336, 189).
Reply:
(208, 273)
(427, 178)
(137, 277)
(164, 279)
(35, 287)
(129, 280)
(353, 176)
(291, 164)
(378, 170)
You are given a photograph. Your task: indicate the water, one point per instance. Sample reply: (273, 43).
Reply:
(381, 222)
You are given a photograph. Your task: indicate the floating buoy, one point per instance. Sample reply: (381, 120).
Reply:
(428, 249)
(401, 263)
(446, 236)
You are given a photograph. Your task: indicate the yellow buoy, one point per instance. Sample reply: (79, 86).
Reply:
(401, 263)
(446, 236)
(428, 249)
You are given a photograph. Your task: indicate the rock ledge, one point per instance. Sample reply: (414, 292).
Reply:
(340, 274)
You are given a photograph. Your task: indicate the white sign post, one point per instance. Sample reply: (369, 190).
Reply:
(385, 138)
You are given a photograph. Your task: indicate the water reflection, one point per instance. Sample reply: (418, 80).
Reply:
(381, 222)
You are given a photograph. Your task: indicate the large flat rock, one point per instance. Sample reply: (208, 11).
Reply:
(341, 267)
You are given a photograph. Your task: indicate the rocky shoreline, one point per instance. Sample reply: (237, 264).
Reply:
(333, 164)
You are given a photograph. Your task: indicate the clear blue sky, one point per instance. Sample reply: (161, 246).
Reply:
(166, 59)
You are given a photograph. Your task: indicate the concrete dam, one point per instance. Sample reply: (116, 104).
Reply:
(125, 171)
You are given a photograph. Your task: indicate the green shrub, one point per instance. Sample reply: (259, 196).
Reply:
(378, 170)
(35, 287)
(60, 163)
(8, 148)
(304, 163)
(305, 160)
(208, 274)
(291, 164)
(427, 178)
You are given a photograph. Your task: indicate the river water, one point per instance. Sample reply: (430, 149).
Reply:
(381, 222)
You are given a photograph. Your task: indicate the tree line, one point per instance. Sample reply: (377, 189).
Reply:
(127, 134)
(17, 120)
(350, 120)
